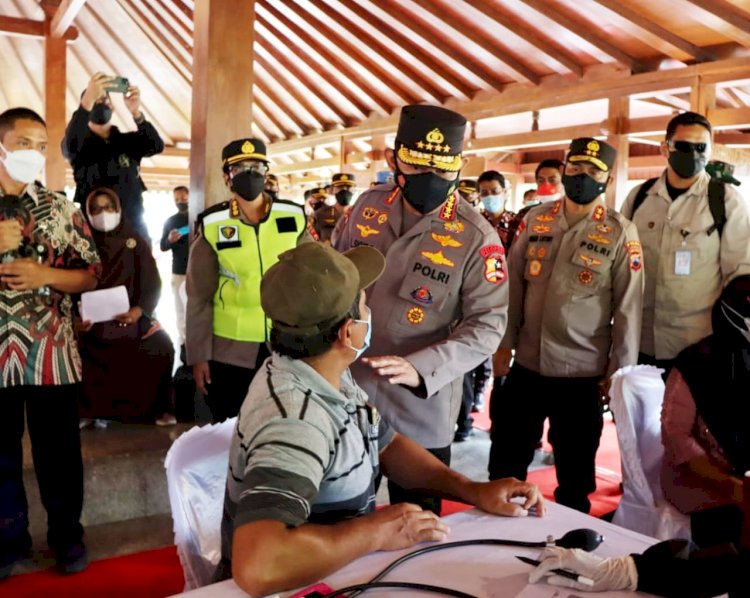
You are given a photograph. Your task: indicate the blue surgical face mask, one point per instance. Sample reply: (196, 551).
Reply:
(368, 336)
(493, 203)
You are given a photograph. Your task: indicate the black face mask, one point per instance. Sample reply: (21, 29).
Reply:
(182, 207)
(581, 188)
(248, 185)
(425, 191)
(687, 164)
(344, 197)
(100, 114)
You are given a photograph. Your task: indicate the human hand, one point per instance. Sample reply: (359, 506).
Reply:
(24, 274)
(132, 99)
(397, 369)
(130, 317)
(81, 326)
(96, 89)
(403, 525)
(11, 235)
(202, 376)
(174, 236)
(494, 497)
(607, 574)
(501, 362)
(604, 386)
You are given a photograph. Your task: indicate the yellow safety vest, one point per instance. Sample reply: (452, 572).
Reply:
(245, 252)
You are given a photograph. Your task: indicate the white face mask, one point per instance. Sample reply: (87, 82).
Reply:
(105, 221)
(23, 165)
(368, 337)
(330, 201)
(743, 331)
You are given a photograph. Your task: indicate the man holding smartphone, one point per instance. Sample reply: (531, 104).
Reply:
(174, 238)
(103, 156)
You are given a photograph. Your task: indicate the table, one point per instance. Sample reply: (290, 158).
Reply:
(484, 571)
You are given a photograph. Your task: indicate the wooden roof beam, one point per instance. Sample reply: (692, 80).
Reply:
(387, 51)
(304, 76)
(522, 71)
(397, 12)
(330, 57)
(727, 12)
(281, 105)
(529, 34)
(397, 36)
(261, 105)
(585, 32)
(30, 28)
(64, 16)
(618, 7)
(162, 25)
(178, 62)
(374, 66)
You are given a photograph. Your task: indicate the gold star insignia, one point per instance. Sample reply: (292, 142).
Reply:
(420, 144)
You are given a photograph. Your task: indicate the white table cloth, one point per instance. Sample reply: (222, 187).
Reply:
(483, 571)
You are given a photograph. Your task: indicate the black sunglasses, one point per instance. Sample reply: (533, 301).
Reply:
(688, 147)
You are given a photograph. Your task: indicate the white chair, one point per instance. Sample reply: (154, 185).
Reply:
(636, 394)
(196, 467)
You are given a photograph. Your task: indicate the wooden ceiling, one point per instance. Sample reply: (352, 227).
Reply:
(328, 65)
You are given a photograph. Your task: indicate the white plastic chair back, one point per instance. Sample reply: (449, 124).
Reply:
(637, 394)
(196, 467)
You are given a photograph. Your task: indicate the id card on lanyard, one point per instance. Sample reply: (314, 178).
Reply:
(683, 257)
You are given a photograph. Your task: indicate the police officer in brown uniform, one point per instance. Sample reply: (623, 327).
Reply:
(334, 205)
(689, 255)
(576, 289)
(442, 299)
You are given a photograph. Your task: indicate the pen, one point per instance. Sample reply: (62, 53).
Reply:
(587, 581)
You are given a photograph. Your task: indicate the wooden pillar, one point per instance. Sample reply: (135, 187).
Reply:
(55, 75)
(222, 92)
(377, 156)
(702, 96)
(617, 127)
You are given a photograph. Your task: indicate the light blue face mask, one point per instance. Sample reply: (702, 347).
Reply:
(493, 203)
(368, 336)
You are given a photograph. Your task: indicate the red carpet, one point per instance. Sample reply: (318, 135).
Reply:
(150, 574)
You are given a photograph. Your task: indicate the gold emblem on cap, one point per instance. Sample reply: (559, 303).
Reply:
(593, 146)
(344, 177)
(130, 243)
(435, 136)
(247, 148)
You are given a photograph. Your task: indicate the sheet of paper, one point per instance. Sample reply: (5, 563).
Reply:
(104, 304)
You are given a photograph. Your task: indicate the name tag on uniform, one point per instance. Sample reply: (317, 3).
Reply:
(682, 262)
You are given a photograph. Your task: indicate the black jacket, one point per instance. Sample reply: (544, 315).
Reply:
(113, 162)
(181, 248)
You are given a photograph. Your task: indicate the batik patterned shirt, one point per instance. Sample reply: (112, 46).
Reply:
(37, 343)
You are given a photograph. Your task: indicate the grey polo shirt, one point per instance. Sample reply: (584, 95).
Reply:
(302, 451)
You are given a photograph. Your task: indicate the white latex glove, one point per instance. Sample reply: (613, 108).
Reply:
(607, 574)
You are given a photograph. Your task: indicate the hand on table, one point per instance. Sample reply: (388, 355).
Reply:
(607, 574)
(403, 525)
(494, 497)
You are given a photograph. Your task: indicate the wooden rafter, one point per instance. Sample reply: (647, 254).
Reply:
(104, 26)
(410, 24)
(531, 35)
(261, 80)
(30, 28)
(301, 50)
(167, 8)
(730, 14)
(260, 118)
(175, 59)
(585, 32)
(281, 76)
(397, 36)
(330, 56)
(304, 76)
(64, 16)
(161, 24)
(386, 49)
(662, 33)
(475, 34)
(259, 100)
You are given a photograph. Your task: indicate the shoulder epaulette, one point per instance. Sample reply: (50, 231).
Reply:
(224, 205)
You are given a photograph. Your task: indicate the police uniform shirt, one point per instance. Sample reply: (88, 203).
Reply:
(441, 304)
(575, 293)
(686, 268)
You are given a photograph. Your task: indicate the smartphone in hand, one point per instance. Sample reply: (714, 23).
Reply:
(118, 85)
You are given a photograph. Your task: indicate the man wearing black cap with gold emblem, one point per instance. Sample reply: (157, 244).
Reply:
(334, 206)
(442, 300)
(468, 190)
(237, 241)
(576, 291)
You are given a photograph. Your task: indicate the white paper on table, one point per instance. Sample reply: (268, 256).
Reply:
(104, 304)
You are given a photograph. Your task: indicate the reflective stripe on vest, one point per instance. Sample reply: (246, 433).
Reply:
(244, 253)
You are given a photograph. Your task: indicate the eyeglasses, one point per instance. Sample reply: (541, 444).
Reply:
(687, 147)
(256, 167)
